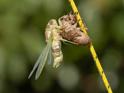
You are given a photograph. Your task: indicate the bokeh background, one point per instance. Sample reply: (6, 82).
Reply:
(22, 25)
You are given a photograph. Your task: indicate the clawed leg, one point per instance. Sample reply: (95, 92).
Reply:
(64, 40)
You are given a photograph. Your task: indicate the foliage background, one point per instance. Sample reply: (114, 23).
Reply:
(22, 24)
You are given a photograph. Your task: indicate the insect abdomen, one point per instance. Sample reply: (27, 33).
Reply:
(57, 53)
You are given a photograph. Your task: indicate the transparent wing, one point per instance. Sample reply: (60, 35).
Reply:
(37, 62)
(43, 60)
(50, 57)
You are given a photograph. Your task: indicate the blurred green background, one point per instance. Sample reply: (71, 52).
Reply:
(22, 25)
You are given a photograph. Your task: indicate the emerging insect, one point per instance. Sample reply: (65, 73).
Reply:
(67, 31)
(53, 48)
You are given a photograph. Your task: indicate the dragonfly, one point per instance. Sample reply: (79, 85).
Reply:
(55, 33)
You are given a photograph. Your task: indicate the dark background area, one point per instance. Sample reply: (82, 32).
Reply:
(22, 25)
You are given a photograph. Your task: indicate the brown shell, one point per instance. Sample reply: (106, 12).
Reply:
(72, 32)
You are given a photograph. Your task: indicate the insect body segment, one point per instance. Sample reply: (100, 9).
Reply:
(51, 26)
(56, 50)
(53, 31)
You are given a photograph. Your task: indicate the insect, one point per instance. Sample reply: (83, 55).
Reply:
(52, 49)
(66, 31)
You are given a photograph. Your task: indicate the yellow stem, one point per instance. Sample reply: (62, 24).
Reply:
(92, 50)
